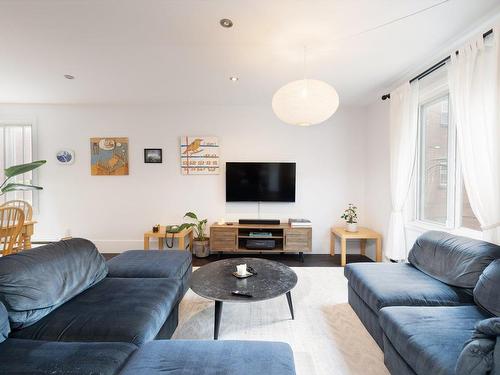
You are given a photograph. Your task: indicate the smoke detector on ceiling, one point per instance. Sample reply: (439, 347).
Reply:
(226, 22)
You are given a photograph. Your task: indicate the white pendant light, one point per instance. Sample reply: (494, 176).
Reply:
(305, 102)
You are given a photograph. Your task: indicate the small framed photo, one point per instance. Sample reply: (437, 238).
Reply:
(65, 156)
(153, 155)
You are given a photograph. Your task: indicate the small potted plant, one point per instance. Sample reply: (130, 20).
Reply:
(351, 217)
(200, 242)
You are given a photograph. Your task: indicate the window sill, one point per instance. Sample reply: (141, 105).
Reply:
(421, 227)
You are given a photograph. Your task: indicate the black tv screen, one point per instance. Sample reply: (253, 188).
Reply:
(260, 182)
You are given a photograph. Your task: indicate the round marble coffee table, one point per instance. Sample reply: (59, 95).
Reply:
(216, 282)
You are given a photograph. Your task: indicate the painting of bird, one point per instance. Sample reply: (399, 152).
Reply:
(199, 155)
(194, 147)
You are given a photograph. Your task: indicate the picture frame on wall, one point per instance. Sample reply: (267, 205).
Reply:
(199, 155)
(65, 156)
(109, 156)
(153, 155)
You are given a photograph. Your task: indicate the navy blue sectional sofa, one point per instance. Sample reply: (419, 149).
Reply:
(64, 310)
(437, 314)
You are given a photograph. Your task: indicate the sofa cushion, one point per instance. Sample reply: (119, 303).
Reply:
(487, 290)
(35, 282)
(62, 358)
(122, 310)
(153, 263)
(179, 357)
(454, 260)
(430, 339)
(150, 263)
(4, 323)
(401, 284)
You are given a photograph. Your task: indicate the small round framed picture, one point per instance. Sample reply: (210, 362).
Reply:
(153, 155)
(65, 156)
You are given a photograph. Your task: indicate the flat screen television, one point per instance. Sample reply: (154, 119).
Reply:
(260, 182)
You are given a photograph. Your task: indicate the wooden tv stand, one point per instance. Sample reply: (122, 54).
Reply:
(231, 237)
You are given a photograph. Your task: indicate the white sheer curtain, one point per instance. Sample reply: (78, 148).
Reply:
(474, 89)
(403, 143)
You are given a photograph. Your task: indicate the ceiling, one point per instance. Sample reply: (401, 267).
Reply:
(175, 51)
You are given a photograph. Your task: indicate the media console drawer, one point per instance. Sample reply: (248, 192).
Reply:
(298, 239)
(223, 239)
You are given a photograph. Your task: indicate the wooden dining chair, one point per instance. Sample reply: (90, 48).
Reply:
(11, 224)
(23, 205)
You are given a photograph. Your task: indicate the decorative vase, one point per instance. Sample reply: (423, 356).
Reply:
(201, 249)
(351, 227)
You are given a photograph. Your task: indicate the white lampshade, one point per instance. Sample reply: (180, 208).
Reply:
(305, 102)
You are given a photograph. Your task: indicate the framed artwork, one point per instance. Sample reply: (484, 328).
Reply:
(199, 155)
(65, 156)
(109, 156)
(153, 155)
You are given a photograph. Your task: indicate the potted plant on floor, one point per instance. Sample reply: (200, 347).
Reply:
(200, 242)
(351, 217)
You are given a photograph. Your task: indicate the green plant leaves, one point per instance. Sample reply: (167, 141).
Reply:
(186, 225)
(23, 168)
(19, 187)
(191, 215)
(199, 226)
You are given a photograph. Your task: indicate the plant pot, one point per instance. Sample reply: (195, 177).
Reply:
(201, 249)
(351, 227)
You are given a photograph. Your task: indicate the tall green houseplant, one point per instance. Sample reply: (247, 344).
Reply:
(200, 244)
(16, 170)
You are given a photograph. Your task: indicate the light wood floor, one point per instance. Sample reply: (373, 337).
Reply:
(326, 336)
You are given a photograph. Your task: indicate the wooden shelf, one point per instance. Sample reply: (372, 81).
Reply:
(261, 237)
(245, 250)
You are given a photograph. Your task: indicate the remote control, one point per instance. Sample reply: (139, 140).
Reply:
(241, 294)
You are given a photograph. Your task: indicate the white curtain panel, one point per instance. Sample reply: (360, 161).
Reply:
(474, 89)
(403, 143)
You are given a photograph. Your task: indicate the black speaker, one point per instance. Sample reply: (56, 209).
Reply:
(260, 221)
(261, 244)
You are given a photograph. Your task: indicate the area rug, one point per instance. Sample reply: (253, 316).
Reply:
(326, 336)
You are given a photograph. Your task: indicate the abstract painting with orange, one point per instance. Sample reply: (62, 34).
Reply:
(109, 156)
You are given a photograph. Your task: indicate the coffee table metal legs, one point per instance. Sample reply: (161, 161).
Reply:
(218, 313)
(290, 304)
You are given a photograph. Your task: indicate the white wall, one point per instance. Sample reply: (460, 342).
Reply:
(377, 188)
(115, 211)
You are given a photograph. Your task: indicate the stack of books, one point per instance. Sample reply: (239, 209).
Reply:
(300, 223)
(260, 234)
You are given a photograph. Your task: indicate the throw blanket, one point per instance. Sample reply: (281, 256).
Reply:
(479, 354)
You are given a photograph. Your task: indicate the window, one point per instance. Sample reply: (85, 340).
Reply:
(16, 147)
(441, 198)
(434, 188)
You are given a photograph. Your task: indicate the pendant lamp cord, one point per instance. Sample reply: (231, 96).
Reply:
(304, 63)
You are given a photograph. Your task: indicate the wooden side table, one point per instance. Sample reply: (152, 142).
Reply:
(162, 235)
(362, 234)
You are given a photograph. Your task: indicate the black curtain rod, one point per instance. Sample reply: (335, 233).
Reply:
(434, 67)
